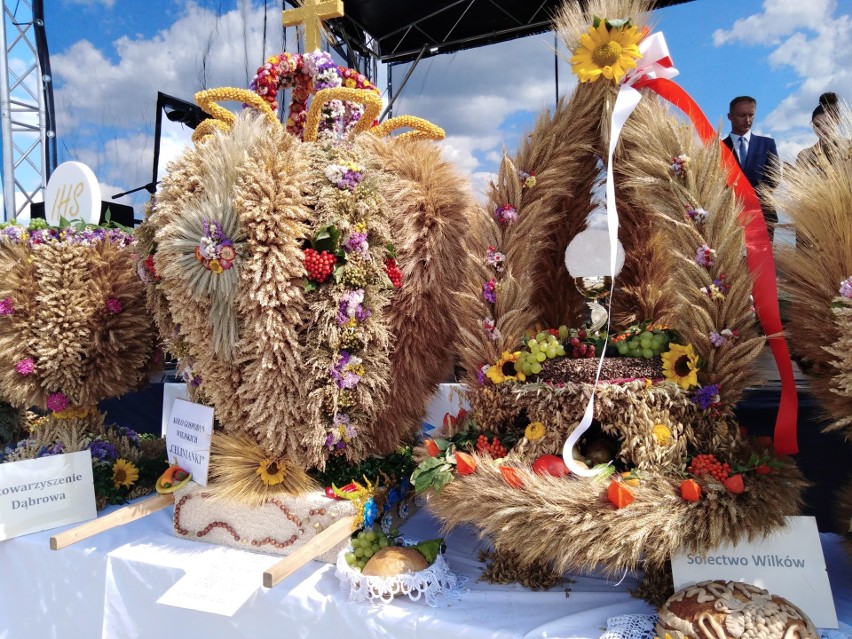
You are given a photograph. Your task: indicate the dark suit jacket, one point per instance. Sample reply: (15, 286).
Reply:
(762, 157)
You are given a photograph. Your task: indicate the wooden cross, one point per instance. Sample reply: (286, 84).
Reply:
(311, 14)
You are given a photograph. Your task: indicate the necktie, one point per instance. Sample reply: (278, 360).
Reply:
(742, 151)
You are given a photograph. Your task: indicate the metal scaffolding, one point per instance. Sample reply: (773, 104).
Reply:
(26, 106)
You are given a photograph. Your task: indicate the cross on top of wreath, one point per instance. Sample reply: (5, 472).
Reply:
(311, 14)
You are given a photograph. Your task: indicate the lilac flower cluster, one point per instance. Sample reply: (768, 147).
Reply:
(356, 243)
(322, 69)
(7, 306)
(707, 396)
(342, 432)
(46, 451)
(505, 214)
(345, 177)
(495, 259)
(86, 237)
(719, 338)
(491, 329)
(846, 288)
(695, 215)
(680, 165)
(347, 371)
(352, 307)
(489, 291)
(103, 451)
(705, 256)
(131, 435)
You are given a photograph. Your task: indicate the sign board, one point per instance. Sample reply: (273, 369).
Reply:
(788, 563)
(188, 436)
(38, 494)
(73, 193)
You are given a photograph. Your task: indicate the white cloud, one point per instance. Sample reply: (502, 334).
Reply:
(779, 18)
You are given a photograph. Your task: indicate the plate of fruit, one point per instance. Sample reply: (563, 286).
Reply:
(376, 567)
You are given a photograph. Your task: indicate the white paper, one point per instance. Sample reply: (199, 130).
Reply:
(788, 563)
(171, 392)
(448, 398)
(221, 587)
(43, 493)
(188, 438)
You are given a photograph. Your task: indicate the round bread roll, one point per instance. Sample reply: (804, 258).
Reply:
(394, 560)
(732, 610)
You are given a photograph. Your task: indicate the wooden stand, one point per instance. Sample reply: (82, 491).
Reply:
(118, 518)
(324, 541)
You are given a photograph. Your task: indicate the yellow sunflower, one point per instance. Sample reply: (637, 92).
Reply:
(124, 473)
(680, 365)
(504, 370)
(607, 51)
(271, 472)
(535, 431)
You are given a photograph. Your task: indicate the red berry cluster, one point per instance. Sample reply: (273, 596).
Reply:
(495, 448)
(709, 465)
(393, 272)
(319, 265)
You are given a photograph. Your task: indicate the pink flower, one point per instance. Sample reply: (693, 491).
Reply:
(7, 306)
(113, 305)
(25, 366)
(846, 288)
(57, 402)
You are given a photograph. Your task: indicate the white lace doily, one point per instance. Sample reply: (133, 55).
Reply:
(426, 584)
(643, 627)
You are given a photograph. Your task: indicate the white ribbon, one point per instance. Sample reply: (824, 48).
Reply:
(654, 63)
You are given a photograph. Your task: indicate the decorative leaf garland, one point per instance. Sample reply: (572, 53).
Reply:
(349, 372)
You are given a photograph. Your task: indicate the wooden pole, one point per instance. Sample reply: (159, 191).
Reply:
(118, 518)
(326, 540)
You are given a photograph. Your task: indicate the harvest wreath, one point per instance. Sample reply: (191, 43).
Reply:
(676, 473)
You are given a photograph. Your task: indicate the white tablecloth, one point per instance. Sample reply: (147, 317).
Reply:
(108, 586)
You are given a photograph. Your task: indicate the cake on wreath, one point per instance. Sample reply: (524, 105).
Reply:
(303, 274)
(672, 471)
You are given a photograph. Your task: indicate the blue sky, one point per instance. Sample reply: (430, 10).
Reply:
(110, 57)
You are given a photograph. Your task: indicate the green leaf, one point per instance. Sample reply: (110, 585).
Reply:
(442, 444)
(596, 22)
(326, 238)
(63, 222)
(391, 249)
(442, 478)
(108, 216)
(337, 273)
(310, 286)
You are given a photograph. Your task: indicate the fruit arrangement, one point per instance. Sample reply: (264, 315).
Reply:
(370, 544)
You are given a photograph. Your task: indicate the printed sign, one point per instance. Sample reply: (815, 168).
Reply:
(188, 438)
(788, 563)
(73, 193)
(38, 494)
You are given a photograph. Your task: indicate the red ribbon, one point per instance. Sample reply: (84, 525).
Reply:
(761, 264)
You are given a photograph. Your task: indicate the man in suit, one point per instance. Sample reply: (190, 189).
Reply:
(757, 155)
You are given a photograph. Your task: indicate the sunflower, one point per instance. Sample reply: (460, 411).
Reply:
(606, 50)
(535, 431)
(271, 472)
(124, 473)
(504, 370)
(680, 365)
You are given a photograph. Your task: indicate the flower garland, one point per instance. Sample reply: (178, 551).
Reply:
(215, 250)
(306, 74)
(351, 243)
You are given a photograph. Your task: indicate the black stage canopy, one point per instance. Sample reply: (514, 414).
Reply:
(406, 30)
